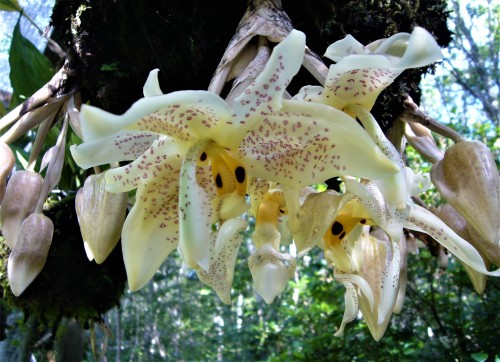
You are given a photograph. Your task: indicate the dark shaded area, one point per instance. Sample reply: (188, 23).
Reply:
(117, 43)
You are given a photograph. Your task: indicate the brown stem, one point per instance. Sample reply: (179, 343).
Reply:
(414, 114)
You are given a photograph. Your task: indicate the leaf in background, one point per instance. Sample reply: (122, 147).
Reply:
(29, 69)
(10, 5)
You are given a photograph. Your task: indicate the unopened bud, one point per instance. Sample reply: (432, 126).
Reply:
(101, 215)
(467, 177)
(21, 198)
(29, 254)
(7, 161)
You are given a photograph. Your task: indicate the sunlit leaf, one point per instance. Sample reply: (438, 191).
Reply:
(29, 69)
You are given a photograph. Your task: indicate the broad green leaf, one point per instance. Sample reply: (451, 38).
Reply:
(29, 69)
(10, 5)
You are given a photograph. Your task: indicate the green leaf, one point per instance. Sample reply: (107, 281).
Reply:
(29, 69)
(10, 5)
(479, 357)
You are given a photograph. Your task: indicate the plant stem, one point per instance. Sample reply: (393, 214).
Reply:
(415, 114)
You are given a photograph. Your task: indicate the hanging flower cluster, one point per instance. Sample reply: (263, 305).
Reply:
(199, 164)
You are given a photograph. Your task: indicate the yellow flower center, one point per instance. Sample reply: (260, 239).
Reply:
(271, 208)
(343, 224)
(228, 172)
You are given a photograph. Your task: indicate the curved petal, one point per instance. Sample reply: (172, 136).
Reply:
(223, 250)
(351, 307)
(314, 218)
(422, 220)
(265, 94)
(393, 187)
(181, 115)
(359, 75)
(308, 143)
(310, 93)
(162, 159)
(387, 217)
(195, 211)
(152, 86)
(120, 146)
(150, 232)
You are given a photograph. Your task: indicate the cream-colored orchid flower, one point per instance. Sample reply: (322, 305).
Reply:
(290, 142)
(362, 72)
(185, 167)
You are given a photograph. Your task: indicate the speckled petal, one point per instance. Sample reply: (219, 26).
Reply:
(310, 93)
(386, 216)
(308, 143)
(223, 252)
(351, 296)
(422, 220)
(121, 146)
(150, 232)
(183, 115)
(360, 76)
(265, 94)
(163, 159)
(195, 212)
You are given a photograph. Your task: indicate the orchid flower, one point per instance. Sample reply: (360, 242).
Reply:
(362, 72)
(173, 137)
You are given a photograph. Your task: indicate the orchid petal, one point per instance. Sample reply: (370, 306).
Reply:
(195, 211)
(150, 232)
(358, 280)
(182, 115)
(310, 93)
(386, 216)
(359, 75)
(308, 143)
(152, 86)
(163, 159)
(266, 93)
(223, 250)
(351, 307)
(393, 187)
(271, 271)
(314, 211)
(120, 146)
(422, 220)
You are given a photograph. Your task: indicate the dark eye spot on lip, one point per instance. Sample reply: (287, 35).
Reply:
(240, 174)
(218, 181)
(363, 221)
(337, 228)
(203, 156)
(359, 122)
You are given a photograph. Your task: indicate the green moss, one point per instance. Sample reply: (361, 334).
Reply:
(69, 285)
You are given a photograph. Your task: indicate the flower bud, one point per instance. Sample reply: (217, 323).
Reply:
(101, 215)
(467, 177)
(21, 198)
(7, 161)
(30, 251)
